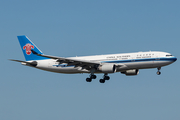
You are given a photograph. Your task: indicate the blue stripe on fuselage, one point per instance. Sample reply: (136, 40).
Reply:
(142, 60)
(172, 59)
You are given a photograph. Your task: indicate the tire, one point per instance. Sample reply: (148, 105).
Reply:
(93, 76)
(102, 81)
(158, 73)
(106, 77)
(88, 79)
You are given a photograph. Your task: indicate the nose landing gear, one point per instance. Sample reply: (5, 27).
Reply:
(158, 72)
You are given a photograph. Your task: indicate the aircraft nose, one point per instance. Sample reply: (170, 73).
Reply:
(174, 59)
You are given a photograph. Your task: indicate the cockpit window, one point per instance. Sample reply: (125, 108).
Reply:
(168, 55)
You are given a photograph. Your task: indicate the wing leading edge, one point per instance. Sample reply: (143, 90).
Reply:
(69, 61)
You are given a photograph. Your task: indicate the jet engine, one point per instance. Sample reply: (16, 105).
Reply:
(107, 68)
(131, 72)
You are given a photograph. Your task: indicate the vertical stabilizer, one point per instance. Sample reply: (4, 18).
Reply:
(26, 46)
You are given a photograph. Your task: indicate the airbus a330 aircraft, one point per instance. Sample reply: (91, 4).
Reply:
(127, 63)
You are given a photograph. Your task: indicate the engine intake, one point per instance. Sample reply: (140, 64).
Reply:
(107, 68)
(131, 72)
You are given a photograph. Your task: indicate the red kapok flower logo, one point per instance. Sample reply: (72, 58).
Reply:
(28, 47)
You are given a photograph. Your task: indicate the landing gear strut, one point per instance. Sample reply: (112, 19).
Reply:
(158, 72)
(105, 77)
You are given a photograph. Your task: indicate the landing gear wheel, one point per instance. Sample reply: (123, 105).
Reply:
(93, 76)
(88, 79)
(158, 72)
(106, 77)
(102, 81)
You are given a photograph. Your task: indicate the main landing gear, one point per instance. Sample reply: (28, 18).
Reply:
(158, 72)
(92, 76)
(105, 77)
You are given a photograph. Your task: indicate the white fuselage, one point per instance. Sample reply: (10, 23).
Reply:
(126, 61)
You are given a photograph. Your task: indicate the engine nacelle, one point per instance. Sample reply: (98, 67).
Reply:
(131, 72)
(107, 68)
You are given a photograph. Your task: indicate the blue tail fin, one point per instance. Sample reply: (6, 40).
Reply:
(26, 46)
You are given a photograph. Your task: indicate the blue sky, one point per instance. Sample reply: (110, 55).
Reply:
(78, 28)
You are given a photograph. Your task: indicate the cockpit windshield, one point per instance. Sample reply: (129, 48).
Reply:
(168, 55)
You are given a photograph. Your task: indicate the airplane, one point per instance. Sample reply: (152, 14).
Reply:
(126, 63)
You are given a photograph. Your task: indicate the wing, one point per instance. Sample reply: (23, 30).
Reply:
(77, 62)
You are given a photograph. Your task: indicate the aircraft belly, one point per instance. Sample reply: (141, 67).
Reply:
(139, 65)
(159, 63)
(67, 70)
(147, 64)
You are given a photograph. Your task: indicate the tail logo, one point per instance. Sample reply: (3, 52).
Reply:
(28, 48)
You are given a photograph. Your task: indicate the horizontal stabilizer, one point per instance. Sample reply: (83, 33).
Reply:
(33, 63)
